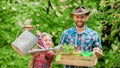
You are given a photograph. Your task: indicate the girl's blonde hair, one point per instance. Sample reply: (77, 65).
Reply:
(44, 33)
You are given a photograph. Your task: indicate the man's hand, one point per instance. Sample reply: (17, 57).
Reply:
(38, 33)
(98, 52)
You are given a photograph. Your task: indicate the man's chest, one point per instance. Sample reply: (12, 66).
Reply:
(78, 39)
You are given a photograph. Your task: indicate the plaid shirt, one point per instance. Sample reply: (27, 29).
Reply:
(44, 59)
(86, 40)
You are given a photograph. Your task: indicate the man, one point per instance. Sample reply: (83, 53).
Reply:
(80, 35)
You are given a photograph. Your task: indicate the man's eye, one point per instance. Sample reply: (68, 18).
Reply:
(83, 17)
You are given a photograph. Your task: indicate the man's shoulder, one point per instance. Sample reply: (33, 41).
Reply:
(91, 31)
(69, 30)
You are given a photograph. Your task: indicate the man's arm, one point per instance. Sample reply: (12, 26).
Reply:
(97, 47)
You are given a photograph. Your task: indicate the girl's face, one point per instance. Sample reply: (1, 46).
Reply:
(47, 40)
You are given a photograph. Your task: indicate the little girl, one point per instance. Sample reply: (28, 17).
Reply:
(43, 59)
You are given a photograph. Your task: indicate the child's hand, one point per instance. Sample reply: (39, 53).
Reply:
(38, 33)
(32, 55)
(28, 27)
(49, 55)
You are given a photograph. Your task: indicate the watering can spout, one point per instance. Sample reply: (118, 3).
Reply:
(40, 50)
(57, 48)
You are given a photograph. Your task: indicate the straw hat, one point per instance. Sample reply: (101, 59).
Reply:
(80, 10)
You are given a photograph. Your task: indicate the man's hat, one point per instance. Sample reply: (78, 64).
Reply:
(79, 11)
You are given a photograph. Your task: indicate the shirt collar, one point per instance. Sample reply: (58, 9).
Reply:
(84, 31)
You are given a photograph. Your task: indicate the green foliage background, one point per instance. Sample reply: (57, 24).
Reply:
(53, 16)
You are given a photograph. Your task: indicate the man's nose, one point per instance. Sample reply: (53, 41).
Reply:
(78, 19)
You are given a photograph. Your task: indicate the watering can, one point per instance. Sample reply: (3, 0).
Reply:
(25, 42)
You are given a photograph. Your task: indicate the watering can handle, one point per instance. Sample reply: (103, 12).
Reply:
(22, 29)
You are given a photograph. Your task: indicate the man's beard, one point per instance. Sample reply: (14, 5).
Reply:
(80, 26)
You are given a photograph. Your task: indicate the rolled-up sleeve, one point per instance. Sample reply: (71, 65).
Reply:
(97, 41)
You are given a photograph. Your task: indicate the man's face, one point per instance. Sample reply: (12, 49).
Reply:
(80, 20)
